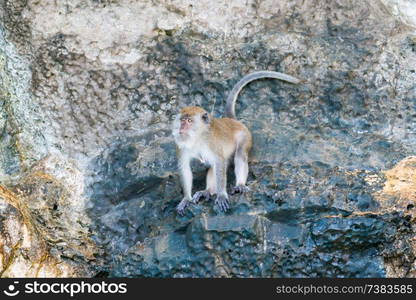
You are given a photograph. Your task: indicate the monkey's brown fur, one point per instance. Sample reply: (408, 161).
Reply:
(223, 133)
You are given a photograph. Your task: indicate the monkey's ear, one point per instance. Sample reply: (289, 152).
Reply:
(205, 117)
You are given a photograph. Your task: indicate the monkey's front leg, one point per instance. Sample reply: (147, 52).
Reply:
(186, 178)
(221, 182)
(210, 189)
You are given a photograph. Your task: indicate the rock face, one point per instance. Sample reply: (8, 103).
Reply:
(88, 179)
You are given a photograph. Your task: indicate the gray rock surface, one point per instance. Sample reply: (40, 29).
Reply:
(88, 179)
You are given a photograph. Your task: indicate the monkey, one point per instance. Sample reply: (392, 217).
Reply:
(215, 141)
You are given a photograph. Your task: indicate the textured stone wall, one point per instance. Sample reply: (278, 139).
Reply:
(88, 180)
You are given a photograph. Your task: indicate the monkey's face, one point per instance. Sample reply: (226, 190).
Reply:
(190, 123)
(186, 123)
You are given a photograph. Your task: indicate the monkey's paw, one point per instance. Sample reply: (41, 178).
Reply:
(201, 195)
(182, 206)
(222, 202)
(239, 189)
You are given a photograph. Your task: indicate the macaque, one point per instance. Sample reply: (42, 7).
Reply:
(215, 141)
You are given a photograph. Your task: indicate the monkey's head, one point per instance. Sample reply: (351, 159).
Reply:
(191, 122)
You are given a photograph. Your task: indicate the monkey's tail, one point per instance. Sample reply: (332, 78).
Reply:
(232, 97)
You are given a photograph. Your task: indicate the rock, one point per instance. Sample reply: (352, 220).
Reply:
(27, 251)
(88, 178)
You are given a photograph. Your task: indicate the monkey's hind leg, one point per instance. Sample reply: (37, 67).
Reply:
(240, 170)
(210, 189)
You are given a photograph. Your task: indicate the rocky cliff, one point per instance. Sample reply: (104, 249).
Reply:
(88, 179)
